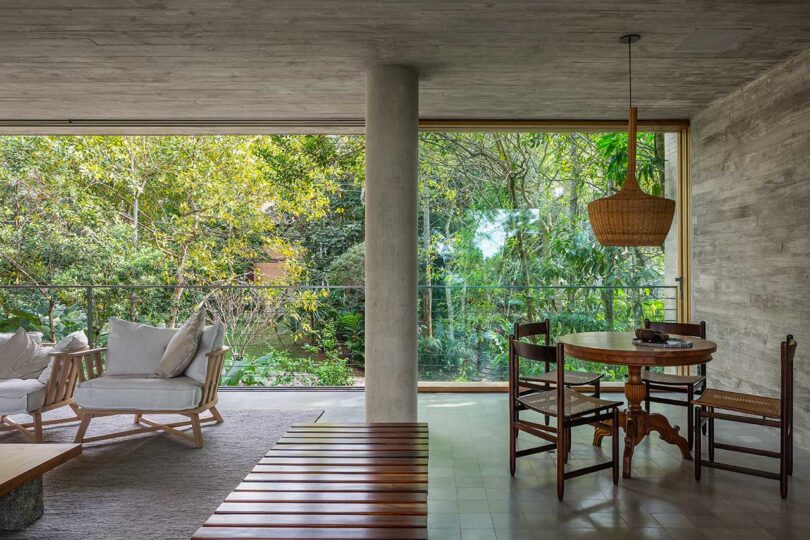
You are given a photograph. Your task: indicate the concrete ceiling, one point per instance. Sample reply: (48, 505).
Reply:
(304, 60)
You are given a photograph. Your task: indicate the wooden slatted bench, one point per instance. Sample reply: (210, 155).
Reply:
(337, 481)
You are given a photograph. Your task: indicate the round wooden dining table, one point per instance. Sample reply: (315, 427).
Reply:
(618, 348)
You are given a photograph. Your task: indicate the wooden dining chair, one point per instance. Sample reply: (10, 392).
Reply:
(757, 410)
(568, 406)
(691, 385)
(549, 377)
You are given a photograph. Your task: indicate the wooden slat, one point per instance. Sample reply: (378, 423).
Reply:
(395, 425)
(329, 486)
(355, 461)
(333, 477)
(299, 520)
(382, 509)
(415, 431)
(347, 431)
(309, 434)
(281, 468)
(371, 439)
(274, 533)
(339, 446)
(355, 497)
(286, 452)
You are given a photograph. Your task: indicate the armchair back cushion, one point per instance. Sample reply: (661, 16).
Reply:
(212, 338)
(18, 357)
(134, 348)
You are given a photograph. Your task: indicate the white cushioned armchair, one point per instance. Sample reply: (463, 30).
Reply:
(36, 378)
(120, 379)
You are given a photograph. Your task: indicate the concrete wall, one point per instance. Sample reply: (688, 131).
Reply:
(751, 246)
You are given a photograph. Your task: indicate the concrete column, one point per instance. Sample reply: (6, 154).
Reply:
(392, 130)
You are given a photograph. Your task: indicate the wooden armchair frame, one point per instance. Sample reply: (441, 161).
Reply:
(58, 393)
(91, 366)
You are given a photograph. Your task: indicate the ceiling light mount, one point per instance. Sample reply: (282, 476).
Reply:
(628, 39)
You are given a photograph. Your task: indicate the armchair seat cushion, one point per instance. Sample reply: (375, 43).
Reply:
(21, 395)
(132, 392)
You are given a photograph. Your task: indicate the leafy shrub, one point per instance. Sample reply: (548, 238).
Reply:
(278, 368)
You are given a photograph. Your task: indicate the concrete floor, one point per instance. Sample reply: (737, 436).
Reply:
(472, 495)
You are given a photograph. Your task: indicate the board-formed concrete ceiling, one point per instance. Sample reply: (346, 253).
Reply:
(305, 60)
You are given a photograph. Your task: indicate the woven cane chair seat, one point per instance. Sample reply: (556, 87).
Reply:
(575, 403)
(574, 378)
(739, 402)
(670, 379)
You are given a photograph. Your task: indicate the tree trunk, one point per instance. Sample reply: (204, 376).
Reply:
(658, 138)
(51, 322)
(607, 302)
(177, 294)
(448, 292)
(427, 290)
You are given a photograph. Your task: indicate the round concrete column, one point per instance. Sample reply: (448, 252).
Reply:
(392, 131)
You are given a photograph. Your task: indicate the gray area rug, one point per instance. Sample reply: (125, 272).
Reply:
(151, 486)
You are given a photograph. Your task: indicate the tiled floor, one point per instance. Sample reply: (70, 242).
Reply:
(472, 495)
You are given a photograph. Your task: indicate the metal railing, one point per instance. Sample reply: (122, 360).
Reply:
(462, 337)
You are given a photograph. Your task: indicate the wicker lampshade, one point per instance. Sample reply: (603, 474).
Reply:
(631, 217)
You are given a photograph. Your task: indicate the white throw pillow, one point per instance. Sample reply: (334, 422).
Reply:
(36, 336)
(16, 354)
(212, 339)
(71, 342)
(180, 351)
(134, 348)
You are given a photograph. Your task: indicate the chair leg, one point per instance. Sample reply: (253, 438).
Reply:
(512, 446)
(698, 456)
(195, 426)
(85, 423)
(37, 426)
(783, 459)
(690, 417)
(711, 437)
(597, 389)
(790, 448)
(615, 445)
(561, 461)
(566, 444)
(138, 418)
(216, 415)
(704, 428)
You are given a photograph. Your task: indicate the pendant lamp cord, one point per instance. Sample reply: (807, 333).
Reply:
(630, 70)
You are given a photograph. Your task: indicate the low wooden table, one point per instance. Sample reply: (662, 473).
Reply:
(618, 348)
(335, 481)
(21, 470)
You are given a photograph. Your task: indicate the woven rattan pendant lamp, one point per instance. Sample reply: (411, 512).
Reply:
(631, 217)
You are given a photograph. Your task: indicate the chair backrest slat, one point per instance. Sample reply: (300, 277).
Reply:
(534, 329)
(531, 351)
(682, 329)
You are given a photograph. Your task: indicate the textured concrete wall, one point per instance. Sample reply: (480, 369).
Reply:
(751, 248)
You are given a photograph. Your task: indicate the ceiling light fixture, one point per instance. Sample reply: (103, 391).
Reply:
(631, 217)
